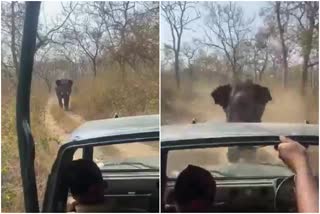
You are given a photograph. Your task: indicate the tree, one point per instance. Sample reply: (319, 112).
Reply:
(307, 16)
(177, 15)
(166, 58)
(258, 53)
(12, 20)
(227, 31)
(42, 68)
(85, 30)
(281, 27)
(190, 52)
(132, 32)
(48, 34)
(118, 14)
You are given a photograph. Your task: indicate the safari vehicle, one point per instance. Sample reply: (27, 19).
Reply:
(133, 183)
(260, 183)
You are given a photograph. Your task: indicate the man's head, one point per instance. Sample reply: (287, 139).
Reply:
(85, 181)
(243, 101)
(194, 190)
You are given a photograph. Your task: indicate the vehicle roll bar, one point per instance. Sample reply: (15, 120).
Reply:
(25, 140)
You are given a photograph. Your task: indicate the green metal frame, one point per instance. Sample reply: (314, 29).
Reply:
(25, 139)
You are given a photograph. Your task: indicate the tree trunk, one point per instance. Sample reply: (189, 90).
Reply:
(307, 49)
(94, 67)
(315, 80)
(191, 78)
(304, 78)
(13, 40)
(283, 46)
(49, 87)
(255, 70)
(235, 73)
(260, 76)
(176, 68)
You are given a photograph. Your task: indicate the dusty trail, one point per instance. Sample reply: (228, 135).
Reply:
(56, 131)
(118, 152)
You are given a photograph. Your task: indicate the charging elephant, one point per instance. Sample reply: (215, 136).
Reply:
(243, 102)
(63, 91)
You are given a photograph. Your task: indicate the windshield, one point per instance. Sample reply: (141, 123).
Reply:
(127, 156)
(236, 162)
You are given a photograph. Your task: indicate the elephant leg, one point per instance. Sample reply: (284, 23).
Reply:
(59, 100)
(66, 103)
(233, 154)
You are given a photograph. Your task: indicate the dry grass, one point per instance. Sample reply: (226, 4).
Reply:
(107, 94)
(11, 189)
(67, 123)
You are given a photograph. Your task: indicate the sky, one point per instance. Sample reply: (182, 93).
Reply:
(250, 8)
(49, 11)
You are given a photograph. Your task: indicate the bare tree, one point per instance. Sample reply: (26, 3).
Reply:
(47, 34)
(307, 16)
(190, 52)
(132, 32)
(143, 42)
(259, 47)
(177, 15)
(43, 67)
(227, 30)
(85, 30)
(70, 53)
(166, 58)
(281, 27)
(117, 18)
(12, 19)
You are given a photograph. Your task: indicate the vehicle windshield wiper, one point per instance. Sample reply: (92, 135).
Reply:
(136, 164)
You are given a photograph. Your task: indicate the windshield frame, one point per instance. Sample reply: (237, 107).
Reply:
(168, 146)
(234, 141)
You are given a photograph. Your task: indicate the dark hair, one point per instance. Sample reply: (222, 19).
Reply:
(81, 174)
(194, 183)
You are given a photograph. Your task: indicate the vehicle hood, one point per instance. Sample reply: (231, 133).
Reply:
(116, 127)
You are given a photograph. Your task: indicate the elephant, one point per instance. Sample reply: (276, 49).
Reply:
(63, 91)
(243, 101)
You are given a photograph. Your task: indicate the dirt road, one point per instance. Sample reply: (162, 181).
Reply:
(118, 152)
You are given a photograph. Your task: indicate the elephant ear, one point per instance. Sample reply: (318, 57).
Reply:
(262, 94)
(70, 82)
(58, 82)
(221, 95)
